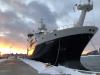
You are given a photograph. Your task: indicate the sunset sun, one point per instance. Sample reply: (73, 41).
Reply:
(8, 46)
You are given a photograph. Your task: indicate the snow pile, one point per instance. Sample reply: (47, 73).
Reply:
(2, 60)
(42, 68)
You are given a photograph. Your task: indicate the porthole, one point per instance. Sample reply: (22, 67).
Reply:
(90, 30)
(55, 34)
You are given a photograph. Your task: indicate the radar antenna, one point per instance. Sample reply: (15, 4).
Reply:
(84, 9)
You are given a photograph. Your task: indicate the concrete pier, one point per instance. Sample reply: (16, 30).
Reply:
(16, 67)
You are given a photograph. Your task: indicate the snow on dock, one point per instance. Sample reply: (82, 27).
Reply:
(2, 60)
(43, 68)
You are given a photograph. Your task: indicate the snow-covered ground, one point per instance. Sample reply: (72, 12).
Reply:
(43, 68)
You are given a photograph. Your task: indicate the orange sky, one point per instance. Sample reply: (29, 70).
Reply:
(11, 46)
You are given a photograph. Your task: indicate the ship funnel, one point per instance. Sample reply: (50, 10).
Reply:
(84, 7)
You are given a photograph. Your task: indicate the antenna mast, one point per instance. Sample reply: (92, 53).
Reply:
(42, 27)
(84, 9)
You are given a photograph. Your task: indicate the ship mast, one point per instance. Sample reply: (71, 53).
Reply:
(84, 9)
(42, 28)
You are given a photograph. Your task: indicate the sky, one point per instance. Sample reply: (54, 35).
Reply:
(20, 17)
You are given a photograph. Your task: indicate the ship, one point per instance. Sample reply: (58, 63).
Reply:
(65, 46)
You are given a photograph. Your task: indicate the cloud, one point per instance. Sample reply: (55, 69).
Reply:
(19, 20)
(10, 22)
(19, 17)
(36, 11)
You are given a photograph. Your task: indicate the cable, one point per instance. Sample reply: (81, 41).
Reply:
(92, 44)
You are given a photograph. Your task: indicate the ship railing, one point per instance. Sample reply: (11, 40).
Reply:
(65, 26)
(87, 23)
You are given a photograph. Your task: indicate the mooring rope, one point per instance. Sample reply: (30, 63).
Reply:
(57, 53)
(92, 44)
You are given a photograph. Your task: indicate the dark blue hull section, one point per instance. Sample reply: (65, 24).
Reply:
(66, 50)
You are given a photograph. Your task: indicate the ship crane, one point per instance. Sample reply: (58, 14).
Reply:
(86, 7)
